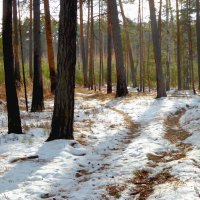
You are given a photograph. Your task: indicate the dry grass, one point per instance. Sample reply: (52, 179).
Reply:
(174, 133)
(102, 95)
(29, 87)
(115, 190)
(175, 136)
(145, 183)
(103, 167)
(142, 94)
(44, 125)
(132, 126)
(2, 92)
(165, 157)
(98, 95)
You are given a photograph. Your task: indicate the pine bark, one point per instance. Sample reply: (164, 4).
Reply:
(37, 99)
(63, 115)
(161, 92)
(160, 20)
(14, 121)
(117, 43)
(50, 51)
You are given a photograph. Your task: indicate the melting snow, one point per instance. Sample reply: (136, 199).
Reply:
(105, 151)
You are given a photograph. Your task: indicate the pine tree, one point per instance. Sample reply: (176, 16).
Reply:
(63, 114)
(161, 92)
(14, 121)
(52, 69)
(38, 99)
(117, 43)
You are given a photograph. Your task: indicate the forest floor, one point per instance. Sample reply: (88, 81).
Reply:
(136, 147)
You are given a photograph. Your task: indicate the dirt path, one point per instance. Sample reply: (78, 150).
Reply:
(85, 174)
(143, 180)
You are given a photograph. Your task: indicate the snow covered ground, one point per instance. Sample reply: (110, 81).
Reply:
(121, 146)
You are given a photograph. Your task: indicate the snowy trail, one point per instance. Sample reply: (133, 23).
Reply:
(146, 182)
(110, 151)
(115, 140)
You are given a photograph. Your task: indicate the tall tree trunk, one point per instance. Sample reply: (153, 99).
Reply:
(190, 45)
(88, 39)
(168, 41)
(198, 35)
(100, 49)
(22, 58)
(31, 40)
(91, 49)
(130, 52)
(14, 121)
(160, 20)
(63, 115)
(187, 58)
(102, 57)
(37, 99)
(141, 48)
(178, 47)
(16, 45)
(117, 42)
(148, 61)
(82, 46)
(157, 52)
(51, 60)
(109, 55)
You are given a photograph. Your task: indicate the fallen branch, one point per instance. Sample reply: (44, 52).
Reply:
(24, 158)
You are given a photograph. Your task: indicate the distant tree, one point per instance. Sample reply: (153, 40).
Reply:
(160, 20)
(88, 40)
(50, 52)
(130, 52)
(14, 121)
(22, 58)
(117, 43)
(91, 47)
(198, 35)
(37, 99)
(101, 71)
(141, 45)
(161, 92)
(63, 114)
(109, 55)
(190, 48)
(82, 46)
(31, 40)
(178, 46)
(16, 45)
(168, 47)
